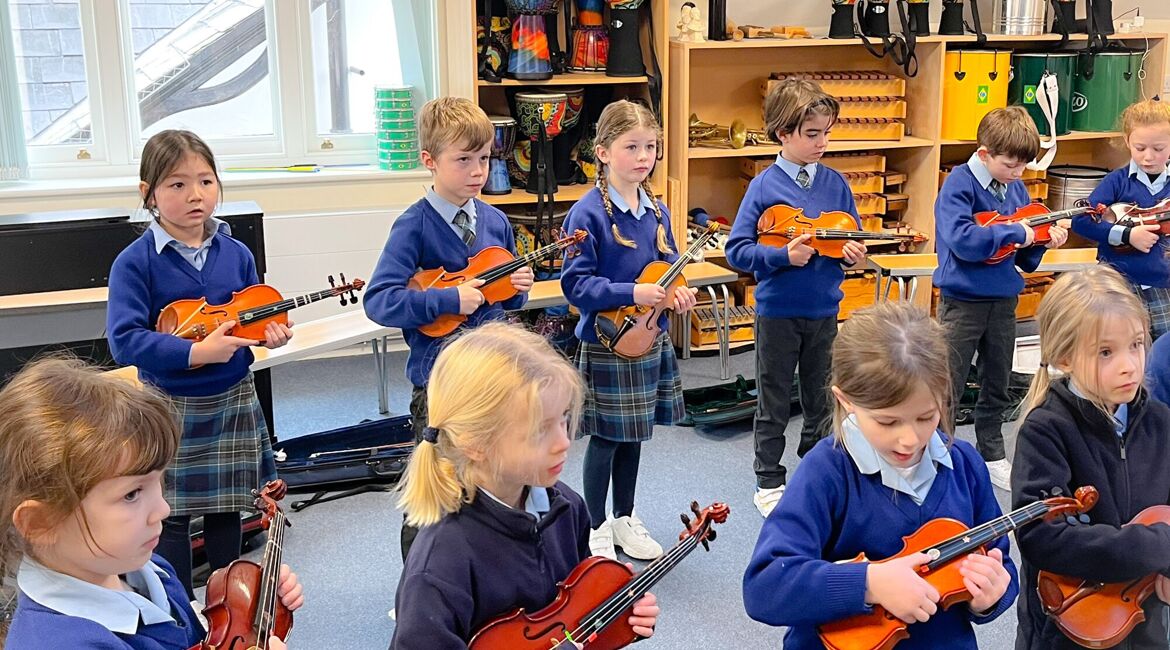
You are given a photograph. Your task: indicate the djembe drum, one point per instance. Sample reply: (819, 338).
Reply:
(540, 116)
(504, 140)
(590, 46)
(529, 57)
(625, 47)
(563, 145)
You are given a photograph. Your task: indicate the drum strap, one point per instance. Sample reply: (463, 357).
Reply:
(1048, 97)
(900, 47)
(977, 25)
(655, 73)
(1058, 23)
(486, 72)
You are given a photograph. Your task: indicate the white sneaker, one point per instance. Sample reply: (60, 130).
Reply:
(601, 540)
(766, 499)
(1001, 474)
(631, 535)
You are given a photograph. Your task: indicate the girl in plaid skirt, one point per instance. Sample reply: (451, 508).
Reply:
(225, 451)
(628, 228)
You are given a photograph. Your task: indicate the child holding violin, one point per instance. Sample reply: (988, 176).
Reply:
(627, 229)
(1138, 251)
(497, 529)
(799, 291)
(891, 466)
(444, 229)
(1093, 425)
(978, 304)
(83, 455)
(186, 253)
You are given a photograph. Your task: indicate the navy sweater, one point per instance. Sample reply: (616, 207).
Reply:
(1066, 442)
(33, 625)
(1158, 370)
(783, 290)
(964, 246)
(1151, 268)
(831, 512)
(485, 561)
(420, 239)
(603, 275)
(143, 281)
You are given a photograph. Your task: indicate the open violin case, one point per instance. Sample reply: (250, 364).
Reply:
(365, 457)
(726, 403)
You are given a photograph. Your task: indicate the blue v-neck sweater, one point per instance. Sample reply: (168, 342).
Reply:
(1151, 268)
(143, 281)
(421, 239)
(832, 512)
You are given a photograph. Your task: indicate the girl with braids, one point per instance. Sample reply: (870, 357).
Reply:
(628, 228)
(799, 292)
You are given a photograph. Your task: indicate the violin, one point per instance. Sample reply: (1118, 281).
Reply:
(492, 265)
(1034, 215)
(781, 223)
(594, 603)
(946, 541)
(252, 309)
(1128, 214)
(1094, 614)
(242, 606)
(630, 332)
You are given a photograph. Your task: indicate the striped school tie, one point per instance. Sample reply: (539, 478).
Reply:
(998, 189)
(463, 222)
(802, 178)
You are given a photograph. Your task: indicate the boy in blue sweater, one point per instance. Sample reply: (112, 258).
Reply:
(889, 469)
(444, 229)
(978, 305)
(1138, 251)
(798, 292)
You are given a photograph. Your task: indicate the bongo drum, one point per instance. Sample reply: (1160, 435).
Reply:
(590, 46)
(540, 116)
(504, 140)
(529, 57)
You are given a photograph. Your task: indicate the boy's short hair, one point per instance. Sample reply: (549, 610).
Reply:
(1011, 132)
(791, 102)
(448, 121)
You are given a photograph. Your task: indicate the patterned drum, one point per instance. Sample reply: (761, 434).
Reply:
(541, 117)
(529, 57)
(590, 48)
(566, 142)
(502, 144)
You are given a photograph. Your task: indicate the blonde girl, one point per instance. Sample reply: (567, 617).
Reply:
(82, 455)
(186, 252)
(628, 228)
(890, 466)
(1139, 252)
(1093, 424)
(498, 530)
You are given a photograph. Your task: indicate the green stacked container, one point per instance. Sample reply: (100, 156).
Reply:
(1106, 82)
(395, 128)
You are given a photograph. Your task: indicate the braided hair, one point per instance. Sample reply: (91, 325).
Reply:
(619, 118)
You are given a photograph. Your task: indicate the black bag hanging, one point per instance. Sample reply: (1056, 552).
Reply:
(951, 23)
(1064, 16)
(1100, 13)
(875, 17)
(919, 18)
(841, 24)
(556, 55)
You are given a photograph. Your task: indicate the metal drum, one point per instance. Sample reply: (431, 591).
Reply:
(541, 117)
(529, 58)
(1106, 82)
(1069, 183)
(1027, 69)
(975, 82)
(1018, 17)
(502, 144)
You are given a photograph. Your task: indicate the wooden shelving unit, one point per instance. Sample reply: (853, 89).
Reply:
(491, 96)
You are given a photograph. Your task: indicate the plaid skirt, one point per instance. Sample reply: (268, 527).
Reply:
(626, 398)
(224, 453)
(1157, 302)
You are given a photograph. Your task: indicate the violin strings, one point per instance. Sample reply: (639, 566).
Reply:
(974, 538)
(513, 265)
(683, 259)
(270, 575)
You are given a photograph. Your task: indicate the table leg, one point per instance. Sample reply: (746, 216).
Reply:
(725, 340)
(686, 336)
(380, 368)
(913, 288)
(877, 287)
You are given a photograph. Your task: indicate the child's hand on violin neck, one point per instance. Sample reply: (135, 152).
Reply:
(219, 346)
(291, 593)
(1057, 236)
(986, 579)
(644, 614)
(523, 279)
(470, 297)
(799, 253)
(896, 586)
(648, 294)
(1143, 237)
(1029, 235)
(277, 334)
(854, 252)
(685, 298)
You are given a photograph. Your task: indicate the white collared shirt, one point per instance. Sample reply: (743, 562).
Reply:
(118, 611)
(535, 504)
(645, 203)
(195, 255)
(448, 210)
(792, 169)
(913, 481)
(979, 169)
(1154, 186)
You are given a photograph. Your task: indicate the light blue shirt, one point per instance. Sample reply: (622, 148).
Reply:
(535, 504)
(917, 484)
(981, 174)
(117, 611)
(1155, 185)
(1120, 416)
(195, 255)
(645, 203)
(792, 169)
(448, 210)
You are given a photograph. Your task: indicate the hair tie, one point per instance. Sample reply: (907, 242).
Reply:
(1044, 364)
(431, 435)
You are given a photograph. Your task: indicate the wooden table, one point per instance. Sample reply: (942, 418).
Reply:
(900, 268)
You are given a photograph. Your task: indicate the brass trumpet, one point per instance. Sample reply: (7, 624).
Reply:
(736, 136)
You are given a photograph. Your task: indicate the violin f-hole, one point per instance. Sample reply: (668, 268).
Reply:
(542, 633)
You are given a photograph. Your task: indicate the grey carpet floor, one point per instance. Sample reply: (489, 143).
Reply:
(346, 552)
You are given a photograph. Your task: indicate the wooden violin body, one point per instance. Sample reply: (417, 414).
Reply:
(641, 321)
(947, 541)
(1034, 215)
(1094, 614)
(594, 603)
(1128, 214)
(494, 265)
(830, 231)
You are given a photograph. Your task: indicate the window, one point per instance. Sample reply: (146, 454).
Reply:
(266, 81)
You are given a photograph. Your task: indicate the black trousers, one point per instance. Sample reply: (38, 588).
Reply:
(222, 538)
(988, 328)
(783, 345)
(418, 422)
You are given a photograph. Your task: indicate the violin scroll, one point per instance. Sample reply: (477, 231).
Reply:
(700, 526)
(266, 500)
(1081, 502)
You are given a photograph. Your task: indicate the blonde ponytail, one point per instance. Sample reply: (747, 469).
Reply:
(1037, 390)
(430, 487)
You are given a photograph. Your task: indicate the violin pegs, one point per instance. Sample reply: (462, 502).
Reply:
(710, 534)
(332, 283)
(1083, 518)
(1072, 521)
(342, 275)
(706, 546)
(1056, 491)
(695, 509)
(686, 522)
(1044, 494)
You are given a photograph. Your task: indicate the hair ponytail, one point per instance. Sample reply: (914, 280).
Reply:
(430, 487)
